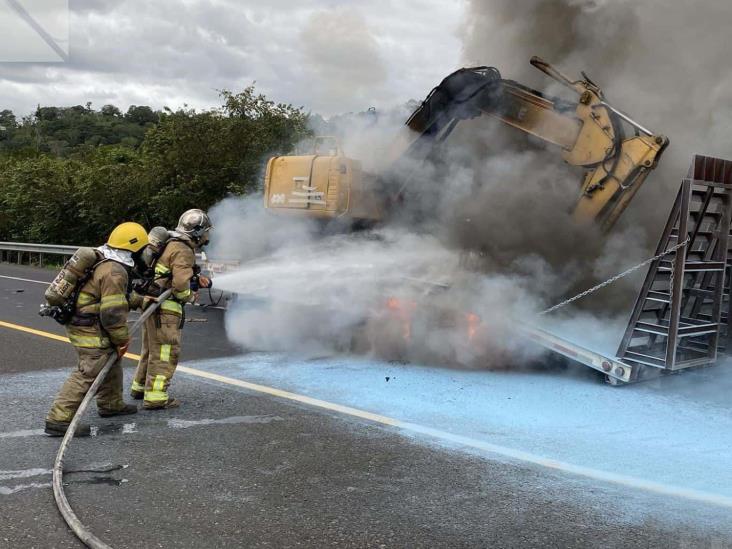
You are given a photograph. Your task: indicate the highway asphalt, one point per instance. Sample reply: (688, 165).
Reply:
(244, 467)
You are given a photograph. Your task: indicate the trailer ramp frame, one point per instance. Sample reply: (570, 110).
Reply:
(681, 315)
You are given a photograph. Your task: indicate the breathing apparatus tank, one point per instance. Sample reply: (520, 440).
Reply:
(63, 286)
(157, 238)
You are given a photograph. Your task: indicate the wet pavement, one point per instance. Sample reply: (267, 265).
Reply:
(239, 467)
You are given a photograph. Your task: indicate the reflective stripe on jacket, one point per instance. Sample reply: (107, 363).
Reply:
(174, 269)
(104, 296)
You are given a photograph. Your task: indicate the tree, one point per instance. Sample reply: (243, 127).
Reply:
(110, 110)
(141, 115)
(7, 119)
(39, 201)
(8, 125)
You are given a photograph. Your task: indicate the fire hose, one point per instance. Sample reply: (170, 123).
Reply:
(86, 537)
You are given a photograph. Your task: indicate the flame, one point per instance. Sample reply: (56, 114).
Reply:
(403, 311)
(393, 304)
(473, 323)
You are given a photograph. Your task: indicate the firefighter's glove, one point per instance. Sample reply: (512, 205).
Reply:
(122, 349)
(135, 300)
(140, 285)
(204, 281)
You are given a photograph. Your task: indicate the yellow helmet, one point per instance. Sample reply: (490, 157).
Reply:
(128, 236)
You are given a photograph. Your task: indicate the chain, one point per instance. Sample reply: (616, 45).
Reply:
(671, 282)
(619, 276)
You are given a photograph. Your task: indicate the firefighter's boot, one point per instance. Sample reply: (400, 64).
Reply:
(126, 410)
(58, 429)
(170, 403)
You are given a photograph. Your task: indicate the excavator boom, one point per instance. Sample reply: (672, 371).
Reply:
(590, 133)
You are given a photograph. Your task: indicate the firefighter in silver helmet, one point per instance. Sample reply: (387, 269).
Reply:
(161, 335)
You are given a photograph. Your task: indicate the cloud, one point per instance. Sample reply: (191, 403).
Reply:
(328, 56)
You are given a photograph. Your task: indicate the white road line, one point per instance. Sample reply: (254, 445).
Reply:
(504, 451)
(23, 433)
(23, 473)
(25, 279)
(7, 491)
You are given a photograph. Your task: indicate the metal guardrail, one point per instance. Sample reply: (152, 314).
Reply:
(38, 248)
(15, 252)
(20, 248)
(8, 249)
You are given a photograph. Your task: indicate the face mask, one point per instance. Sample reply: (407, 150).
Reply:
(140, 266)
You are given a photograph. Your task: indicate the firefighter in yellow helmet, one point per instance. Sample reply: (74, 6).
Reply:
(161, 335)
(98, 330)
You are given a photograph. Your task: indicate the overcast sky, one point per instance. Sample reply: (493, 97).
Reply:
(329, 56)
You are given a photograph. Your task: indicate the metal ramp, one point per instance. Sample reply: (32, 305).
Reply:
(678, 316)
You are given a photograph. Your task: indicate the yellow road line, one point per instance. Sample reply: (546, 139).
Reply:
(238, 383)
(49, 335)
(446, 436)
(32, 331)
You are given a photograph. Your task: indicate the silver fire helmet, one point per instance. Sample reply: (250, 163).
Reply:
(195, 223)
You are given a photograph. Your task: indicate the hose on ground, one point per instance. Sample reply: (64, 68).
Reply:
(83, 533)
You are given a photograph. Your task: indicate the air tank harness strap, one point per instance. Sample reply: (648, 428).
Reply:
(161, 273)
(84, 319)
(182, 317)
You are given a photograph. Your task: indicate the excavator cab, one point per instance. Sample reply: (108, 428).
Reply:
(322, 183)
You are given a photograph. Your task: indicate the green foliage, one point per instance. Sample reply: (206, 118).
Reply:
(196, 159)
(69, 175)
(51, 199)
(61, 131)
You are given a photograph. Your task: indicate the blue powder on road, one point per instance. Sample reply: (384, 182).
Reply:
(676, 430)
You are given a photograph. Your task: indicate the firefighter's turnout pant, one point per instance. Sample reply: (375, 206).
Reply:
(99, 326)
(109, 396)
(161, 337)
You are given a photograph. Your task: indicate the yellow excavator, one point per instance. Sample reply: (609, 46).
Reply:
(616, 153)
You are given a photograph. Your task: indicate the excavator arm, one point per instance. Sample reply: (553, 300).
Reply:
(590, 132)
(616, 153)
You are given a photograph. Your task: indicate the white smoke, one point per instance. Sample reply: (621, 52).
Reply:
(343, 58)
(389, 292)
(244, 229)
(485, 231)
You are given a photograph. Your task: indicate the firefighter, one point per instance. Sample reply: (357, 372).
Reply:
(161, 335)
(98, 330)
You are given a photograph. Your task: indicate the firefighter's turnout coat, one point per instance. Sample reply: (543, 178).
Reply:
(161, 336)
